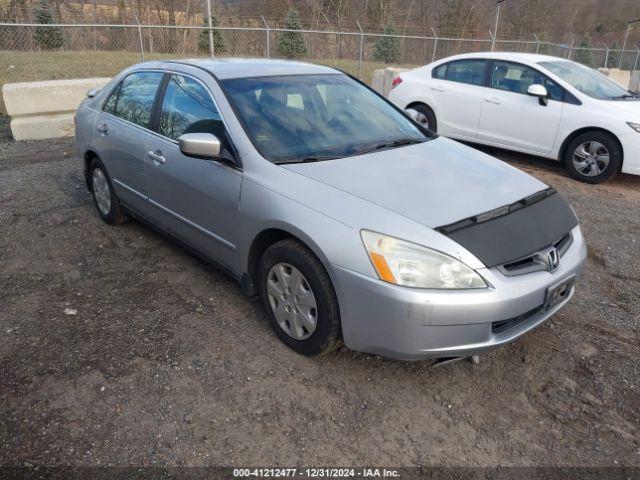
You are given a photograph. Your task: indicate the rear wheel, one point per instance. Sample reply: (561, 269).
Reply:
(593, 157)
(105, 199)
(299, 299)
(426, 117)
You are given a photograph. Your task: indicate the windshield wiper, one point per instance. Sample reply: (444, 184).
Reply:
(391, 144)
(308, 159)
(626, 95)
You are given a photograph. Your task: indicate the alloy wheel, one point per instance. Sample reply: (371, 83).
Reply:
(591, 158)
(422, 119)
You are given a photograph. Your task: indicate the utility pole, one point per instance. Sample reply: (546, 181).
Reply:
(212, 49)
(626, 36)
(495, 28)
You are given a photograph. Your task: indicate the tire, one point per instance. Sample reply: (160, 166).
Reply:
(277, 272)
(430, 121)
(602, 157)
(104, 197)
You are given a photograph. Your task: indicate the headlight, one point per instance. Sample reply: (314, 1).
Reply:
(635, 126)
(410, 265)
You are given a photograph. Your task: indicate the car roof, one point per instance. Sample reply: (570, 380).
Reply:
(226, 68)
(512, 56)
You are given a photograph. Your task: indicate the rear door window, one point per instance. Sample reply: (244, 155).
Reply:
(133, 99)
(469, 71)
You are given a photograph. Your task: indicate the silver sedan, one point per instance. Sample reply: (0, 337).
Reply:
(350, 222)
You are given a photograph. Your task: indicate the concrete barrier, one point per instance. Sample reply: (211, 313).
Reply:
(41, 110)
(634, 84)
(382, 79)
(622, 77)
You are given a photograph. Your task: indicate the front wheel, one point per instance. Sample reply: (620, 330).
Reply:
(593, 157)
(299, 299)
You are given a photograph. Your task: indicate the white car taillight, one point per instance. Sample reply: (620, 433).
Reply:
(395, 82)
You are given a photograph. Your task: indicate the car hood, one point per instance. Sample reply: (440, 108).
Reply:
(435, 183)
(628, 106)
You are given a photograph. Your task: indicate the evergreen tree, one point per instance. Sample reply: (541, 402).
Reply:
(46, 37)
(387, 49)
(583, 54)
(291, 44)
(218, 42)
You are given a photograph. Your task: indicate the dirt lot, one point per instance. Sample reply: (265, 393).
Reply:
(166, 363)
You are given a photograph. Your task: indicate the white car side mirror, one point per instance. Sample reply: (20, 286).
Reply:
(539, 91)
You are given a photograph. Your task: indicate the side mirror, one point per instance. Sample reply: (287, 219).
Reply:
(93, 92)
(200, 145)
(539, 91)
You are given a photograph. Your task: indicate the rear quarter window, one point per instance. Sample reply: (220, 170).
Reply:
(440, 72)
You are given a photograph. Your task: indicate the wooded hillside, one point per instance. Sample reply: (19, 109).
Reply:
(587, 22)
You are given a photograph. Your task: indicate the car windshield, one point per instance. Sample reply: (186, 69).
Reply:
(299, 118)
(588, 81)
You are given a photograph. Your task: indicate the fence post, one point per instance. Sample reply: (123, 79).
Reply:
(606, 54)
(537, 43)
(212, 49)
(635, 65)
(435, 44)
(360, 55)
(493, 40)
(570, 52)
(135, 15)
(266, 25)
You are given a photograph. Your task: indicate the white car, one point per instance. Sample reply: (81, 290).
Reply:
(536, 104)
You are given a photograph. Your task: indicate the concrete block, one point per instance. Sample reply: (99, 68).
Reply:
(40, 127)
(45, 109)
(622, 77)
(634, 84)
(382, 79)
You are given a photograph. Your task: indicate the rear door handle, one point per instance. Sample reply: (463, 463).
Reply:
(156, 157)
(493, 101)
(103, 129)
(437, 89)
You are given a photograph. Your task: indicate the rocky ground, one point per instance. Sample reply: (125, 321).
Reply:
(119, 348)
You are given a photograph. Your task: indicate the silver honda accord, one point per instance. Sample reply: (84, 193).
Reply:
(350, 222)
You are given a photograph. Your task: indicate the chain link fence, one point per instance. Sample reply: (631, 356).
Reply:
(31, 51)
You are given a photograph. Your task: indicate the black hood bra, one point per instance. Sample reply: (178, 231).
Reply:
(514, 231)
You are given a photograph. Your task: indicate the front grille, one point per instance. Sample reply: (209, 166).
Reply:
(534, 262)
(504, 325)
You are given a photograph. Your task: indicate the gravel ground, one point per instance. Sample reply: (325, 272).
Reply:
(160, 360)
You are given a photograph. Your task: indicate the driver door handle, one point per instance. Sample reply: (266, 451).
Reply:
(493, 101)
(157, 157)
(437, 89)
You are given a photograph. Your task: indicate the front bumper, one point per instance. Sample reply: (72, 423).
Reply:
(631, 151)
(412, 324)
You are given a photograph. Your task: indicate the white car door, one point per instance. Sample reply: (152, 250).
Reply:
(512, 118)
(457, 89)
